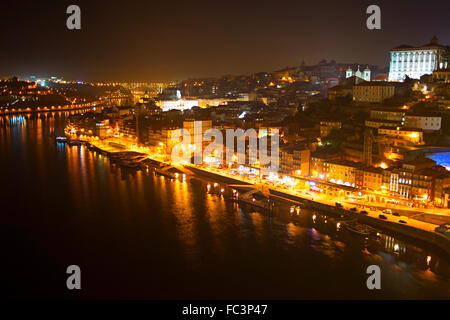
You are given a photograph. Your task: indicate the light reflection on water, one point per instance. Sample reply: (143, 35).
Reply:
(163, 238)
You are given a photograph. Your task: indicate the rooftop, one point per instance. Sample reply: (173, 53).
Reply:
(434, 43)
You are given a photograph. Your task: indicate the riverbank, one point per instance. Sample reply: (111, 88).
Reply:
(44, 109)
(415, 229)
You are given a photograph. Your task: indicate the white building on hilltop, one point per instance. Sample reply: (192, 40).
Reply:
(365, 75)
(414, 62)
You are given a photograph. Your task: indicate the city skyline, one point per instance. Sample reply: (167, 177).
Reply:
(225, 150)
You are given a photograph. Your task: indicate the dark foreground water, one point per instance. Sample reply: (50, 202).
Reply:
(136, 235)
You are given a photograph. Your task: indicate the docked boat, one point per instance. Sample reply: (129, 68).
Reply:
(165, 173)
(357, 228)
(128, 163)
(169, 171)
(74, 142)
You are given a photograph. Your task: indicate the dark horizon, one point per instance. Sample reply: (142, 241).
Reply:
(155, 41)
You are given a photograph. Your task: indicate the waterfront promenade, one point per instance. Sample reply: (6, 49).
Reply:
(405, 223)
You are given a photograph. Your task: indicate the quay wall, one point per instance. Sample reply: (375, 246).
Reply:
(438, 240)
(435, 239)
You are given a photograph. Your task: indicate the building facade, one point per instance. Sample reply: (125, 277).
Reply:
(373, 92)
(327, 126)
(295, 161)
(424, 122)
(402, 135)
(414, 62)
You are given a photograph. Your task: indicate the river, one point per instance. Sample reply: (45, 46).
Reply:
(136, 235)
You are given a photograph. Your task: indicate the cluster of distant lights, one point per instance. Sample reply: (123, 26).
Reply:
(43, 82)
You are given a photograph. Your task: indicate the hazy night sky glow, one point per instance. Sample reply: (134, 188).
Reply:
(171, 40)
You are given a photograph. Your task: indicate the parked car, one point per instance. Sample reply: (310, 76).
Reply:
(402, 221)
(381, 216)
(364, 212)
(396, 214)
(444, 229)
(353, 209)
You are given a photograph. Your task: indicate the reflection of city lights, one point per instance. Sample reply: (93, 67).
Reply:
(428, 260)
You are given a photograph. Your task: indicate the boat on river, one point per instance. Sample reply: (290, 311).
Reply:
(355, 227)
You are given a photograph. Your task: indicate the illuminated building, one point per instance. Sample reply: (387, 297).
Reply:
(319, 166)
(385, 118)
(342, 172)
(365, 75)
(294, 161)
(369, 178)
(441, 76)
(387, 114)
(190, 125)
(413, 180)
(197, 135)
(128, 127)
(402, 135)
(423, 121)
(90, 125)
(414, 62)
(177, 104)
(376, 123)
(373, 92)
(441, 190)
(327, 126)
(161, 138)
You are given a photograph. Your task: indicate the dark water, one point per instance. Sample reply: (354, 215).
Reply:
(136, 235)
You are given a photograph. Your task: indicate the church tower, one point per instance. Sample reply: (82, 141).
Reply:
(358, 73)
(366, 75)
(349, 73)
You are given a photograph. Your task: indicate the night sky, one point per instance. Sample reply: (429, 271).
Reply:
(173, 40)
